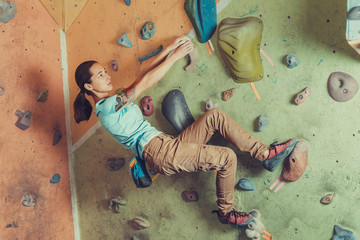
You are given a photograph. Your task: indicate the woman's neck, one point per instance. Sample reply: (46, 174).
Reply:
(99, 97)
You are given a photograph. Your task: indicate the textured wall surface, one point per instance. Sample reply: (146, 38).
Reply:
(31, 62)
(314, 31)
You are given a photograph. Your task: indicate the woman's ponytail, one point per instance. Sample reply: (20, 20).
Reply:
(82, 106)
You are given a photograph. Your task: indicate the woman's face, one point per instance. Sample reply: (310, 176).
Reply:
(100, 80)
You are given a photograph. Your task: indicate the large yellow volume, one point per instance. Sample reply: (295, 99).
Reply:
(239, 44)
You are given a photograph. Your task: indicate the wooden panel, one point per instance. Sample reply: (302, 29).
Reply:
(56, 10)
(30, 63)
(72, 10)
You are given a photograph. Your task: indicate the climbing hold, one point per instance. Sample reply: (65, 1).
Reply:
(152, 54)
(7, 11)
(342, 234)
(239, 43)
(292, 61)
(57, 136)
(255, 228)
(193, 57)
(190, 196)
(354, 13)
(2, 89)
(141, 223)
(342, 87)
(225, 95)
(115, 164)
(117, 203)
(128, 2)
(147, 31)
(176, 110)
(147, 106)
(203, 16)
(28, 200)
(55, 178)
(210, 105)
(296, 164)
(114, 65)
(246, 184)
(261, 123)
(302, 96)
(125, 41)
(24, 119)
(327, 199)
(43, 96)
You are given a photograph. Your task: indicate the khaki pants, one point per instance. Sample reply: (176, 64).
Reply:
(188, 152)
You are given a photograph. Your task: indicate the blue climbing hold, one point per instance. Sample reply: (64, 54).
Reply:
(152, 54)
(203, 16)
(292, 61)
(246, 184)
(262, 122)
(342, 234)
(128, 2)
(125, 41)
(55, 178)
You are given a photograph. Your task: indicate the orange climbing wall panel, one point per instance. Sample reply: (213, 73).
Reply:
(30, 62)
(94, 33)
(64, 12)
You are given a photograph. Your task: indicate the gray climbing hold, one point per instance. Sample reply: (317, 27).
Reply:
(7, 11)
(147, 31)
(125, 41)
(55, 178)
(292, 61)
(24, 119)
(2, 89)
(261, 123)
(28, 200)
(342, 87)
(128, 2)
(354, 13)
(43, 96)
(342, 234)
(57, 137)
(152, 54)
(246, 184)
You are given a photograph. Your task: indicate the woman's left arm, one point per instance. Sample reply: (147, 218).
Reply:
(155, 74)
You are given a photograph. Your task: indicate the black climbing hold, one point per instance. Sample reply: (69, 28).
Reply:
(115, 164)
(176, 110)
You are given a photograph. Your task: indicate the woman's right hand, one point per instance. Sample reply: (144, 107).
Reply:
(182, 50)
(179, 41)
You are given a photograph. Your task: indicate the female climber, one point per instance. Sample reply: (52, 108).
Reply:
(164, 153)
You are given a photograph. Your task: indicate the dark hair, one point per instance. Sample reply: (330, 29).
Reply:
(82, 106)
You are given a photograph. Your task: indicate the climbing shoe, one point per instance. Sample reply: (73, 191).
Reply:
(277, 153)
(240, 219)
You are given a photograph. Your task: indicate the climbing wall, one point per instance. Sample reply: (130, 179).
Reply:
(94, 34)
(64, 12)
(30, 63)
